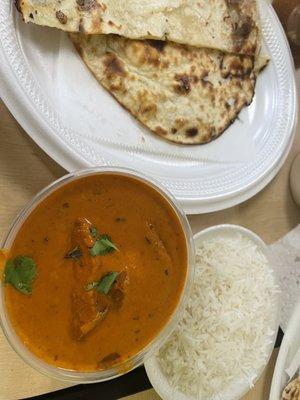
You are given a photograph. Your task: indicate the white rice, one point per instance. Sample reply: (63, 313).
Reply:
(224, 335)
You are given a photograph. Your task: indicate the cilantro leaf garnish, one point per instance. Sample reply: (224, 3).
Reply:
(20, 272)
(103, 245)
(104, 284)
(74, 254)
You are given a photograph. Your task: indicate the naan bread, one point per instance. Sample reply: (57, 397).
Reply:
(184, 94)
(292, 391)
(227, 25)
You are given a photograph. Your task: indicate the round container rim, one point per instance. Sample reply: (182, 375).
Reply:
(137, 359)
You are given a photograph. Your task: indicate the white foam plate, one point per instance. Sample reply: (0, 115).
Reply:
(288, 349)
(240, 387)
(54, 97)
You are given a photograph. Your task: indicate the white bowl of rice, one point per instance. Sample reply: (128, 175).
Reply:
(228, 329)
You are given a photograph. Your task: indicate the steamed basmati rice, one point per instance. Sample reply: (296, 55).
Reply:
(224, 335)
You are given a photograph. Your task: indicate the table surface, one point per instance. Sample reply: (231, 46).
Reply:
(25, 169)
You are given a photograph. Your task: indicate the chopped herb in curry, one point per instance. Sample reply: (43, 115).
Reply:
(104, 284)
(20, 272)
(74, 254)
(102, 246)
(120, 219)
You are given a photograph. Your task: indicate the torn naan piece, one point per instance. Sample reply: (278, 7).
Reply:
(228, 25)
(184, 94)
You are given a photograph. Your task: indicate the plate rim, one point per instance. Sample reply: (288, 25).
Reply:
(58, 149)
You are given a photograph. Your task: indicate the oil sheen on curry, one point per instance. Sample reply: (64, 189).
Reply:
(95, 272)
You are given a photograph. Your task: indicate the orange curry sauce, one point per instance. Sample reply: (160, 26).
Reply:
(152, 258)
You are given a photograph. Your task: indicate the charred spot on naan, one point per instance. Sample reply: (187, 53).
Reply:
(88, 5)
(245, 34)
(117, 86)
(238, 66)
(244, 28)
(201, 135)
(190, 132)
(160, 131)
(141, 53)
(148, 110)
(113, 65)
(185, 82)
(180, 123)
(113, 24)
(159, 45)
(146, 104)
(149, 54)
(63, 19)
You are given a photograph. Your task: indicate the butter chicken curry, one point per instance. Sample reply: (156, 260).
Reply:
(95, 272)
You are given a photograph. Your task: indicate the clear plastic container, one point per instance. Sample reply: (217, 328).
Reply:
(137, 359)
